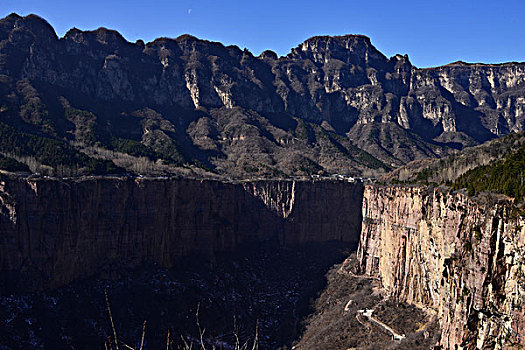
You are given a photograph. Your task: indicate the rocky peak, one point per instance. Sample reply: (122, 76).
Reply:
(109, 37)
(459, 64)
(268, 54)
(8, 22)
(346, 41)
(400, 59)
(193, 48)
(162, 46)
(13, 16)
(100, 36)
(37, 27)
(190, 44)
(350, 49)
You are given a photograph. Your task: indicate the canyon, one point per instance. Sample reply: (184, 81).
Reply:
(459, 259)
(183, 173)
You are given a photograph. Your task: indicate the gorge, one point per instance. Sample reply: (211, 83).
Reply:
(459, 259)
(328, 198)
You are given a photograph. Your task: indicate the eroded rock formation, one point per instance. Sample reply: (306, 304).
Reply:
(464, 259)
(458, 258)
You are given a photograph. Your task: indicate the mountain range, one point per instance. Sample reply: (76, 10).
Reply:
(92, 102)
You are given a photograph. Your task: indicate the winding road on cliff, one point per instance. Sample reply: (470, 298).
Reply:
(368, 314)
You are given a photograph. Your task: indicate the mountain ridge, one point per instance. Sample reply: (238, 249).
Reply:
(367, 39)
(198, 103)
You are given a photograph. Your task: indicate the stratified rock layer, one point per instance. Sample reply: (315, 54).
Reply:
(52, 232)
(442, 251)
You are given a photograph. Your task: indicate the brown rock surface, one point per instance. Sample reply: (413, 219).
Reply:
(444, 251)
(55, 231)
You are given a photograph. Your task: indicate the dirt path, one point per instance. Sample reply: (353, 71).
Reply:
(337, 324)
(344, 270)
(368, 314)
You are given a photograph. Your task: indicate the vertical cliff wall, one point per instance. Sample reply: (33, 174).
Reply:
(463, 259)
(53, 231)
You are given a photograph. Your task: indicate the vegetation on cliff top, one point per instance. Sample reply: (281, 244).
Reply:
(449, 169)
(49, 152)
(506, 176)
(10, 164)
(497, 166)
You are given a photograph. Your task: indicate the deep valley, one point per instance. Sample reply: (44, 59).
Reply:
(184, 194)
(460, 261)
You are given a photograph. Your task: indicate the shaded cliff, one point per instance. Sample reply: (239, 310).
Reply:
(458, 258)
(54, 231)
(333, 104)
(462, 259)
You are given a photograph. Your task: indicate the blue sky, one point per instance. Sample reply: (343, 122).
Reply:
(431, 32)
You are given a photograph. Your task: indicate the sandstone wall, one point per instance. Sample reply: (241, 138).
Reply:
(54, 231)
(463, 259)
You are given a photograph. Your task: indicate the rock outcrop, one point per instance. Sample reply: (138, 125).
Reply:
(55, 231)
(463, 259)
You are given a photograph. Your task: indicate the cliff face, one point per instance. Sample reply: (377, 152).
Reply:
(55, 231)
(460, 259)
(217, 104)
(464, 260)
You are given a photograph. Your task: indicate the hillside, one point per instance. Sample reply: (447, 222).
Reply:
(448, 169)
(497, 166)
(506, 176)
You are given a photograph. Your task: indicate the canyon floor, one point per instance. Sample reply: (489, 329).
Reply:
(288, 298)
(339, 318)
